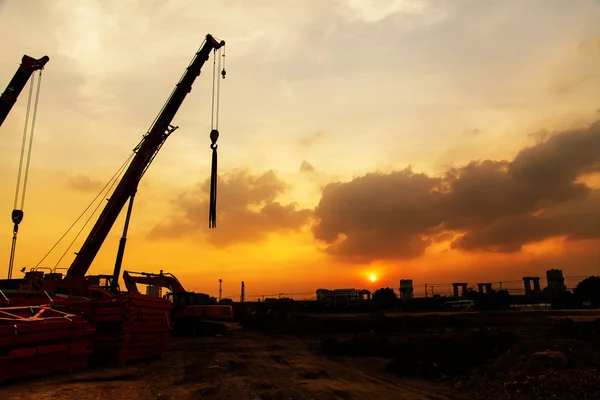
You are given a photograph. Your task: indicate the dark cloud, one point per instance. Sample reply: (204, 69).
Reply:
(577, 219)
(247, 210)
(84, 183)
(488, 205)
(306, 167)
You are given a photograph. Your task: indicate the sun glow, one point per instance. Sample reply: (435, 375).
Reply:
(373, 278)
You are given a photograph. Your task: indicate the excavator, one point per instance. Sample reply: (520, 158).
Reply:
(28, 66)
(193, 313)
(76, 282)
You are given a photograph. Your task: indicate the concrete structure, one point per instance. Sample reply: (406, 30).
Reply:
(536, 285)
(455, 287)
(406, 289)
(484, 288)
(152, 290)
(556, 281)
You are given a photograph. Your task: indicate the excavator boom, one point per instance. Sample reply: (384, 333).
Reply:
(145, 153)
(192, 315)
(167, 281)
(28, 66)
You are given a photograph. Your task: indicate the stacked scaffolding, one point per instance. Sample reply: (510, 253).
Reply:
(128, 327)
(38, 340)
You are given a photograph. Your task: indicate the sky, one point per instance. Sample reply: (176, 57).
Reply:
(432, 140)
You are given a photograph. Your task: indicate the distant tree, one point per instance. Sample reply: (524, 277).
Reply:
(226, 300)
(286, 299)
(203, 298)
(270, 299)
(555, 291)
(588, 289)
(384, 298)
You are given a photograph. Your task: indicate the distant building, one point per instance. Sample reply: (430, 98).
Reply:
(406, 289)
(556, 281)
(152, 290)
(529, 291)
(337, 295)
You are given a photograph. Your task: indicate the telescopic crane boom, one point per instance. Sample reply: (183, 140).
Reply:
(28, 66)
(145, 153)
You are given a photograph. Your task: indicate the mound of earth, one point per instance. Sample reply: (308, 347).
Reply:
(426, 356)
(562, 364)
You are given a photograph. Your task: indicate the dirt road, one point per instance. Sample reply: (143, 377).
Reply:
(243, 365)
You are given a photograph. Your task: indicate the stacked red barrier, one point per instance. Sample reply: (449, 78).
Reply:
(38, 340)
(128, 326)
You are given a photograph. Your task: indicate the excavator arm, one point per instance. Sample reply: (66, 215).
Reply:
(167, 281)
(28, 66)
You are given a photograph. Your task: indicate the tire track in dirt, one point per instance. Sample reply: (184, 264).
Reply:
(242, 365)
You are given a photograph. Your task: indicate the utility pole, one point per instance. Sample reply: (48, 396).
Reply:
(243, 293)
(220, 288)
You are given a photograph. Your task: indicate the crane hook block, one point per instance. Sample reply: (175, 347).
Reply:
(17, 216)
(223, 73)
(214, 136)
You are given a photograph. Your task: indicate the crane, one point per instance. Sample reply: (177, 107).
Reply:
(75, 282)
(145, 153)
(28, 66)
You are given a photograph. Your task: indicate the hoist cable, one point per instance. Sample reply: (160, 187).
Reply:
(17, 213)
(212, 108)
(84, 225)
(17, 190)
(33, 119)
(218, 96)
(103, 190)
(214, 136)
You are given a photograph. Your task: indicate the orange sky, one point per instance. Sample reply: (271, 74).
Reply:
(317, 93)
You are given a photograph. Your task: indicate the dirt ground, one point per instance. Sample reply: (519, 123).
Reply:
(464, 356)
(242, 365)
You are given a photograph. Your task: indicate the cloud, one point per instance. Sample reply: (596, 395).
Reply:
(84, 183)
(306, 167)
(487, 205)
(310, 140)
(247, 210)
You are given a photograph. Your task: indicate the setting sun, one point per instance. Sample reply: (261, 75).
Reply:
(373, 278)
